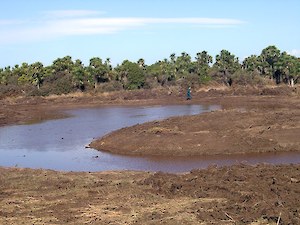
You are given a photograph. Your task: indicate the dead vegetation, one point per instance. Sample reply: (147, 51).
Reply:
(240, 194)
(230, 195)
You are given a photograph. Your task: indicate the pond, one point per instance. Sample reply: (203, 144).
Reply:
(60, 144)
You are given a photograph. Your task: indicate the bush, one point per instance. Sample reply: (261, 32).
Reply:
(59, 83)
(151, 82)
(109, 86)
(189, 80)
(243, 77)
(9, 90)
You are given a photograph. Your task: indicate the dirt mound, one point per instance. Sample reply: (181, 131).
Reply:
(250, 124)
(252, 119)
(281, 91)
(238, 194)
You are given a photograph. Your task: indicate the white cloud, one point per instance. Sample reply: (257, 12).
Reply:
(85, 22)
(71, 13)
(197, 20)
(294, 52)
(10, 22)
(5, 22)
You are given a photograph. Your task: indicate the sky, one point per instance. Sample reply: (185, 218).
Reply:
(44, 30)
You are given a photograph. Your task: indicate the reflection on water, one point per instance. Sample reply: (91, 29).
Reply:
(59, 144)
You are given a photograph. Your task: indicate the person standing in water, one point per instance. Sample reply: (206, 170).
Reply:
(188, 94)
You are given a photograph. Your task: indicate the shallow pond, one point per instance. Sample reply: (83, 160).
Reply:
(60, 144)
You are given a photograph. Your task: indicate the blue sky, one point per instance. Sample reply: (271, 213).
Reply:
(44, 30)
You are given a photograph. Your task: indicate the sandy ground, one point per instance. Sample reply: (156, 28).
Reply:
(231, 195)
(252, 118)
(245, 124)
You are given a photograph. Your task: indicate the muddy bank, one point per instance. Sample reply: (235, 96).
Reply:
(18, 110)
(251, 120)
(247, 124)
(262, 194)
(238, 194)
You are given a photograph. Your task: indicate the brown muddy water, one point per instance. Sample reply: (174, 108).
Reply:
(60, 144)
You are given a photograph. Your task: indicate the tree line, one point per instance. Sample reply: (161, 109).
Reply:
(66, 75)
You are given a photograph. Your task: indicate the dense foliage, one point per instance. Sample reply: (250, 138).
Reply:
(66, 75)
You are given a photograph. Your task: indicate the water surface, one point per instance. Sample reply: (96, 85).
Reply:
(60, 144)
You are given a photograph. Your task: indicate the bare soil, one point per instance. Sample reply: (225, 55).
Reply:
(241, 194)
(245, 124)
(251, 119)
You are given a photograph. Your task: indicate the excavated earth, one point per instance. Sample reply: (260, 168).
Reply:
(250, 120)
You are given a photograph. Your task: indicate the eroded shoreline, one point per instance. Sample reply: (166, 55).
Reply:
(239, 194)
(250, 125)
(247, 122)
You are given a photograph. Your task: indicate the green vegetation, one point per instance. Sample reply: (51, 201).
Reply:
(66, 75)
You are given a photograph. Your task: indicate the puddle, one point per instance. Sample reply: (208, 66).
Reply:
(60, 144)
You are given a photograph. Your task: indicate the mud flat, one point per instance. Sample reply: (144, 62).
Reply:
(246, 124)
(240, 194)
(267, 119)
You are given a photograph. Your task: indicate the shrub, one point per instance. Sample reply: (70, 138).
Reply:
(109, 87)
(9, 90)
(243, 77)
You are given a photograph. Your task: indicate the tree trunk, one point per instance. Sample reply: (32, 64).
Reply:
(277, 75)
(292, 81)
